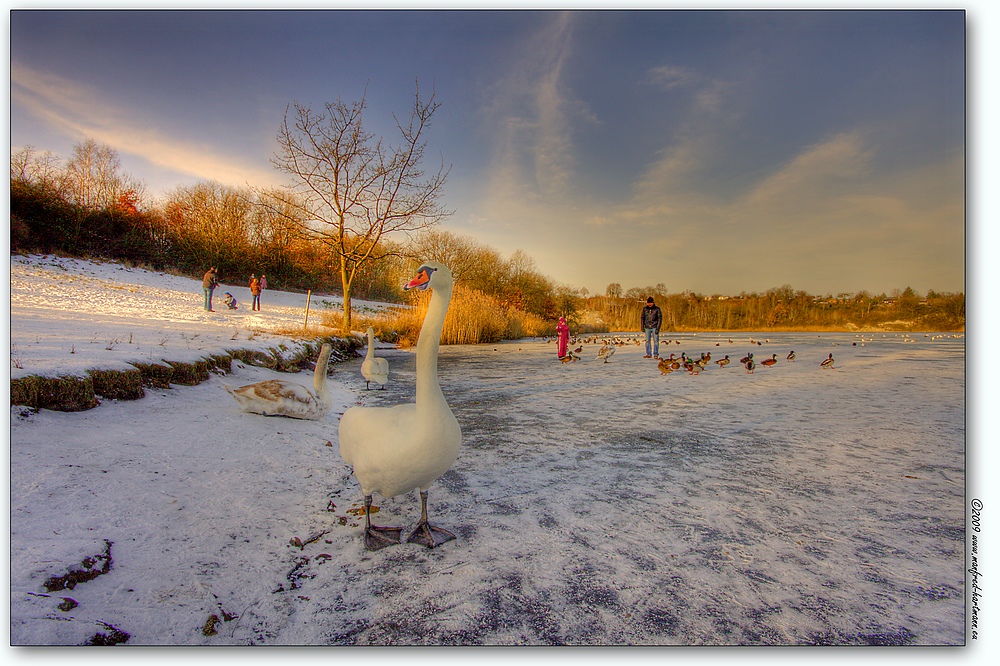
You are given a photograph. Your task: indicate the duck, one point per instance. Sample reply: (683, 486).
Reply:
(606, 352)
(723, 362)
(750, 364)
(278, 397)
(791, 355)
(570, 357)
(665, 365)
(374, 368)
(393, 450)
(770, 361)
(827, 362)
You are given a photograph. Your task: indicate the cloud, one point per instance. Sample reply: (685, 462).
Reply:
(534, 115)
(669, 76)
(79, 113)
(821, 172)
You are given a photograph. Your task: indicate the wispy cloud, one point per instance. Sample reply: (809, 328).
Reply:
(534, 115)
(81, 114)
(669, 76)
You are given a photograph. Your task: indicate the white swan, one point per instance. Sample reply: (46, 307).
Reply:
(395, 449)
(606, 352)
(373, 368)
(277, 397)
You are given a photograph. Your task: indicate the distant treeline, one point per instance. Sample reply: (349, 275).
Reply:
(783, 309)
(86, 207)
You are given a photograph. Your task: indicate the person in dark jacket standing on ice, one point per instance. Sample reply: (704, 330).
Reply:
(208, 284)
(652, 318)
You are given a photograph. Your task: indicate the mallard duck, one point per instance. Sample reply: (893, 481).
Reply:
(723, 362)
(393, 450)
(791, 356)
(665, 366)
(770, 361)
(827, 362)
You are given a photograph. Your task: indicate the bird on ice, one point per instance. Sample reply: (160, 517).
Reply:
(279, 397)
(393, 450)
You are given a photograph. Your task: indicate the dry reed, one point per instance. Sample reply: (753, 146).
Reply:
(473, 318)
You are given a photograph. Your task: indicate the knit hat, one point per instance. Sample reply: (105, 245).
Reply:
(649, 300)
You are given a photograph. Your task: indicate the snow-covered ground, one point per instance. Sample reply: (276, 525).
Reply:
(595, 503)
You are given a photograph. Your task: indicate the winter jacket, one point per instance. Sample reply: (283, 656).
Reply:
(255, 287)
(652, 317)
(211, 280)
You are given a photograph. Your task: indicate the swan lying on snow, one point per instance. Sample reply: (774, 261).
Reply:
(395, 449)
(373, 368)
(277, 397)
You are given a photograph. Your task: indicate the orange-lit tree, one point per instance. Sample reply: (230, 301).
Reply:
(354, 189)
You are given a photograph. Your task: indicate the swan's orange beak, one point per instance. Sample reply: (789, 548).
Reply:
(421, 281)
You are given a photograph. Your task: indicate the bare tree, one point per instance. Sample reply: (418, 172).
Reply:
(29, 166)
(94, 179)
(353, 188)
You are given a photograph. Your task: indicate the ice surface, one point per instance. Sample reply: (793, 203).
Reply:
(595, 504)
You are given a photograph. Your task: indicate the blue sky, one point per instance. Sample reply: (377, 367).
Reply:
(711, 151)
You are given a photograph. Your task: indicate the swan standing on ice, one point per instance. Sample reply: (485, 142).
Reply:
(606, 352)
(373, 368)
(395, 449)
(277, 397)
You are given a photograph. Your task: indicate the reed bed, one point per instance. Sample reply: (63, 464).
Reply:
(473, 318)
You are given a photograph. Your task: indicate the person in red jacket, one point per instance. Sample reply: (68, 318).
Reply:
(562, 334)
(255, 290)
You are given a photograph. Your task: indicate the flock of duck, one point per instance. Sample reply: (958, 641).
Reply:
(673, 363)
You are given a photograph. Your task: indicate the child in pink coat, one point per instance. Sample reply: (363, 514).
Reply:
(562, 333)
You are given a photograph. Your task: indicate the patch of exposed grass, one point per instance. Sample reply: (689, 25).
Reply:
(64, 394)
(155, 375)
(118, 384)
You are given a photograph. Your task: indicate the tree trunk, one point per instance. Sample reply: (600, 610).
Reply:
(345, 283)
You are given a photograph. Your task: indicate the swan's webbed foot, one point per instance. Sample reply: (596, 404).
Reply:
(427, 535)
(377, 538)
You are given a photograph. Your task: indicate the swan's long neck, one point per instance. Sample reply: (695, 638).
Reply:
(428, 387)
(319, 378)
(371, 345)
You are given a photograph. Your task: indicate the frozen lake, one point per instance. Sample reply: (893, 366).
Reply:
(795, 505)
(595, 503)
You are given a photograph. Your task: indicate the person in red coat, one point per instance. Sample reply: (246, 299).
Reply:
(562, 334)
(255, 290)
